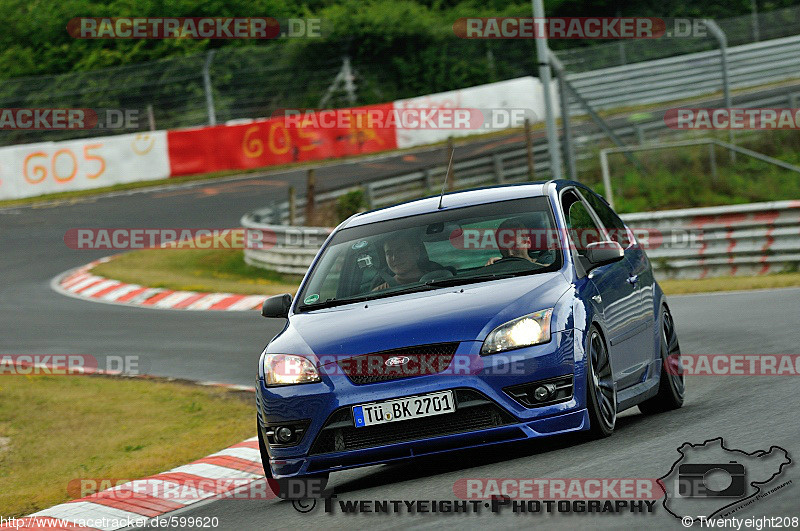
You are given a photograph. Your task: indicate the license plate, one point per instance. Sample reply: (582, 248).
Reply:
(399, 409)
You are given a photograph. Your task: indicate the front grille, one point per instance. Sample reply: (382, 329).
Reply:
(473, 412)
(415, 361)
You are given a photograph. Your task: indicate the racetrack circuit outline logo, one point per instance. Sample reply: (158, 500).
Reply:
(710, 478)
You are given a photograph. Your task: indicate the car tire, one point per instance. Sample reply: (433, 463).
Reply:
(671, 385)
(280, 487)
(601, 392)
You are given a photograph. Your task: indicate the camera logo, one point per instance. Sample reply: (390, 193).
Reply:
(711, 480)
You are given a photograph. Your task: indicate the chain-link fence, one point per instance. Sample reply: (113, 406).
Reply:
(245, 82)
(738, 30)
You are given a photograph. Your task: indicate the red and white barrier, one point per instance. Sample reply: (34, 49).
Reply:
(35, 169)
(524, 94)
(45, 168)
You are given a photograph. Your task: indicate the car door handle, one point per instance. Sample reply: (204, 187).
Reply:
(633, 279)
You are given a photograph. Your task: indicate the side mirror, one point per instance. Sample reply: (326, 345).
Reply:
(277, 306)
(602, 253)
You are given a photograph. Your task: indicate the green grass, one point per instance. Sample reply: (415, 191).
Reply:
(682, 177)
(212, 270)
(705, 285)
(58, 428)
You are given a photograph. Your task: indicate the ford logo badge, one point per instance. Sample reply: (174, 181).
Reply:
(394, 361)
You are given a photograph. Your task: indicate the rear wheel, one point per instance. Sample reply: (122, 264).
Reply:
(283, 488)
(671, 385)
(601, 393)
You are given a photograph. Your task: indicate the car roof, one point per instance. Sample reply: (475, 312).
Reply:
(477, 196)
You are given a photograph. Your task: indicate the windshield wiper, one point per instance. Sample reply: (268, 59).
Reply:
(429, 285)
(330, 303)
(455, 281)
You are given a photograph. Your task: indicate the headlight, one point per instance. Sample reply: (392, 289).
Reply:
(287, 369)
(522, 332)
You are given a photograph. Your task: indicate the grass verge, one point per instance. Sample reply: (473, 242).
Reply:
(211, 270)
(56, 429)
(705, 285)
(225, 270)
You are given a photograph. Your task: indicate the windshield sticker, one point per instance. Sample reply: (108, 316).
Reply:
(311, 299)
(361, 244)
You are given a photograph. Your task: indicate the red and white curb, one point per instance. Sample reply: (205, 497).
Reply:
(219, 475)
(82, 284)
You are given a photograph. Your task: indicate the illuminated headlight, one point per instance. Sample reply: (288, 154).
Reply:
(287, 369)
(522, 332)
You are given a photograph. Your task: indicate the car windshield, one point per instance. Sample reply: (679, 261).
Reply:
(426, 251)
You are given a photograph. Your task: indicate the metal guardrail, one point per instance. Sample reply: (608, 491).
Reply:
(506, 165)
(751, 239)
(688, 75)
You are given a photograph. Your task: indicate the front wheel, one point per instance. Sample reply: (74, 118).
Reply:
(601, 392)
(297, 487)
(671, 385)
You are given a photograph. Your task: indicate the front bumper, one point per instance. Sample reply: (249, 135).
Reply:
(486, 415)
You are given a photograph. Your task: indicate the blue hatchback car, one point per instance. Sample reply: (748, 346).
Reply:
(474, 319)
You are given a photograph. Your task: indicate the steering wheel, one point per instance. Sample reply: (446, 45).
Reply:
(511, 258)
(387, 277)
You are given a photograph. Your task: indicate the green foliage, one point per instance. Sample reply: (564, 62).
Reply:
(350, 203)
(410, 41)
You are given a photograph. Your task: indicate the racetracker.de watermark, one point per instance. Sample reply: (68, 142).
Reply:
(559, 488)
(196, 28)
(182, 238)
(178, 489)
(490, 238)
(733, 364)
(447, 118)
(388, 365)
(733, 118)
(41, 119)
(578, 28)
(68, 365)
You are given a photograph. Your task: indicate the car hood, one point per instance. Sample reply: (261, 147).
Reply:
(460, 313)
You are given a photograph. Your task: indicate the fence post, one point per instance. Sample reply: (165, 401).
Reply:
(310, 186)
(639, 133)
(722, 39)
(349, 86)
(292, 205)
(151, 117)
(369, 196)
(426, 173)
(212, 114)
(497, 160)
(609, 194)
(543, 58)
(529, 149)
(563, 96)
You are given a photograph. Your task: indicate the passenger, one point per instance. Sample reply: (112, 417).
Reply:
(514, 241)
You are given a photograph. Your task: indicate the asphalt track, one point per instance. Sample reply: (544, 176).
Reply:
(749, 412)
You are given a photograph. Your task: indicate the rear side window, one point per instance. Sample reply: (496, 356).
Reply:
(612, 222)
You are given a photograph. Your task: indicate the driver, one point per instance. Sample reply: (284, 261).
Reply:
(514, 241)
(407, 259)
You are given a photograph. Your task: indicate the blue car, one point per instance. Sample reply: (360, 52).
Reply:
(467, 320)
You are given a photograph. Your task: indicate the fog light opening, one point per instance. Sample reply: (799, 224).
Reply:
(544, 392)
(284, 434)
